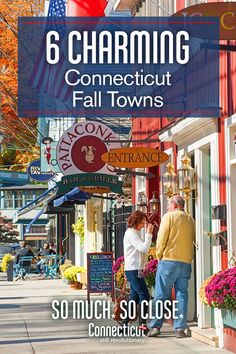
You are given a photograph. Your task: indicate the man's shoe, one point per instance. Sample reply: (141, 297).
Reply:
(180, 334)
(154, 332)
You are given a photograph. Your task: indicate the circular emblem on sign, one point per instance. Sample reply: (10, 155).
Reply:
(80, 148)
(36, 174)
(86, 153)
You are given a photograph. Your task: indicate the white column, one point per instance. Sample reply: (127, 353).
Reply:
(216, 228)
(203, 261)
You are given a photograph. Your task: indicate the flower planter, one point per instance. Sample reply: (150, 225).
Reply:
(229, 318)
(10, 271)
(76, 285)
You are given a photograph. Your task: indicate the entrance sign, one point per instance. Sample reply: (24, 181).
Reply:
(135, 157)
(100, 274)
(80, 148)
(36, 174)
(90, 182)
(226, 11)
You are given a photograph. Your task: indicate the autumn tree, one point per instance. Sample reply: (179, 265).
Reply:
(8, 231)
(19, 135)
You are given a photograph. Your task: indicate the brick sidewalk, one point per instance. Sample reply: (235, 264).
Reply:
(27, 327)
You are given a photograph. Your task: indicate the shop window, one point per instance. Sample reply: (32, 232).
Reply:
(193, 2)
(18, 199)
(38, 229)
(8, 199)
(162, 8)
(29, 197)
(38, 193)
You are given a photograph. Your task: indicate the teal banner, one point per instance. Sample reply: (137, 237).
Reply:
(89, 179)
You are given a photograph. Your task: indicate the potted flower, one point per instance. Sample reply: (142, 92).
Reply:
(118, 269)
(65, 266)
(71, 275)
(7, 266)
(220, 292)
(78, 228)
(149, 274)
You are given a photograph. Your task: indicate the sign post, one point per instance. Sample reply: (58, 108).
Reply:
(100, 275)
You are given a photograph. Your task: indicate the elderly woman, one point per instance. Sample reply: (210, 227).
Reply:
(135, 255)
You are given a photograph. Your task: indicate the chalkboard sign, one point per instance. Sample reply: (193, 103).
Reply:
(100, 275)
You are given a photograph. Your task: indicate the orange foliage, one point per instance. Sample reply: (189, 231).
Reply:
(14, 130)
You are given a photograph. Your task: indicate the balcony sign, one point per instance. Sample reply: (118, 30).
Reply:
(226, 11)
(134, 157)
(36, 174)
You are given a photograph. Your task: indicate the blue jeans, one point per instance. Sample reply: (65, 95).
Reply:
(177, 274)
(138, 290)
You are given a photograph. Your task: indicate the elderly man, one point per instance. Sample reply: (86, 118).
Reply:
(174, 250)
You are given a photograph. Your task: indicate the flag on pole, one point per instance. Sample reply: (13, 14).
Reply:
(86, 8)
(48, 77)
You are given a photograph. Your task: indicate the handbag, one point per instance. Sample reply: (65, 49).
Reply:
(118, 311)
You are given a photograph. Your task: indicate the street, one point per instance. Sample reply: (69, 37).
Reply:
(27, 326)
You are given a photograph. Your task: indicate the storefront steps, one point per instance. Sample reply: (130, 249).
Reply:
(205, 335)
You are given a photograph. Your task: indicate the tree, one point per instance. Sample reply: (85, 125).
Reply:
(19, 134)
(8, 231)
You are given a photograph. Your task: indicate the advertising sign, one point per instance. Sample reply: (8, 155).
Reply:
(226, 11)
(36, 174)
(80, 148)
(100, 274)
(90, 182)
(135, 157)
(48, 158)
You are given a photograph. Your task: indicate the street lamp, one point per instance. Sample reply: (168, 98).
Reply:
(142, 203)
(169, 181)
(186, 179)
(152, 207)
(154, 202)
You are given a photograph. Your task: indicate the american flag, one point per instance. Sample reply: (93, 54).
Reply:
(49, 78)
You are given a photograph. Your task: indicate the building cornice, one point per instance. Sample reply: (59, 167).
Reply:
(190, 130)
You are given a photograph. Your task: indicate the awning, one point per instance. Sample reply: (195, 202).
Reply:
(42, 200)
(28, 227)
(75, 194)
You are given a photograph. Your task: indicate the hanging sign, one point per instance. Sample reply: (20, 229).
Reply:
(135, 157)
(36, 174)
(48, 158)
(80, 148)
(226, 11)
(90, 182)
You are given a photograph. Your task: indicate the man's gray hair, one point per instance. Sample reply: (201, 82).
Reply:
(177, 199)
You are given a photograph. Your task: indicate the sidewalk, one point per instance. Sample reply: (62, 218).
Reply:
(27, 327)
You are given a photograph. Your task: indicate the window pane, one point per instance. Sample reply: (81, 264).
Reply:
(8, 199)
(18, 199)
(29, 196)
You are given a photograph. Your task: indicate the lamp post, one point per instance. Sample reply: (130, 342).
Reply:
(187, 179)
(169, 181)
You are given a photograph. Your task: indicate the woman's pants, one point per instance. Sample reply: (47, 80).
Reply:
(138, 292)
